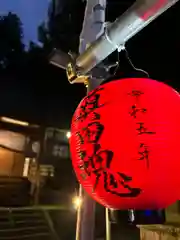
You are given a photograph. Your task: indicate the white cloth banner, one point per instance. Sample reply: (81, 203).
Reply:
(93, 25)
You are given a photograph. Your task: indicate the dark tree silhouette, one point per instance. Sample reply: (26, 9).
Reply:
(64, 24)
(11, 46)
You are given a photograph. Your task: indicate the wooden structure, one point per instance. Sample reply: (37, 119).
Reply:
(168, 231)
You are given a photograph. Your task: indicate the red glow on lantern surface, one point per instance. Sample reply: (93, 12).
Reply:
(125, 144)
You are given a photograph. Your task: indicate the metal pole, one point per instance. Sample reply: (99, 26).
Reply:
(38, 178)
(108, 226)
(87, 220)
(126, 26)
(93, 27)
(79, 210)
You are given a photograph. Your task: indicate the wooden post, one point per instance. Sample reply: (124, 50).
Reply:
(93, 27)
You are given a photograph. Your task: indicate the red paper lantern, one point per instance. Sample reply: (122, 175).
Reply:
(125, 144)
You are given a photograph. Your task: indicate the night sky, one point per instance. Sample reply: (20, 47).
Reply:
(31, 13)
(48, 97)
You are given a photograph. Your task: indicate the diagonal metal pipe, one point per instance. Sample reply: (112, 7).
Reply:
(125, 27)
(59, 58)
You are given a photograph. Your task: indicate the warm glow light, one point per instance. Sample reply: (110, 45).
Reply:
(77, 201)
(14, 121)
(68, 134)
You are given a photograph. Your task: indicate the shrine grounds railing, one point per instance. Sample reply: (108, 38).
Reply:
(28, 223)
